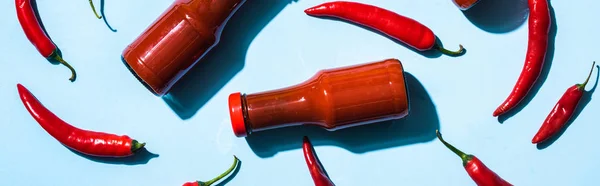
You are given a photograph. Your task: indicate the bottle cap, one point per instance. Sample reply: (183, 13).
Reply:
(237, 115)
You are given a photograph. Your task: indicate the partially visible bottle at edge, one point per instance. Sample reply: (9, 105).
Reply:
(176, 41)
(333, 99)
(465, 4)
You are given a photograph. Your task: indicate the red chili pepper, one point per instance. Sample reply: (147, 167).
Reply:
(480, 173)
(317, 171)
(562, 111)
(210, 182)
(539, 28)
(36, 35)
(399, 27)
(83, 141)
(94, 9)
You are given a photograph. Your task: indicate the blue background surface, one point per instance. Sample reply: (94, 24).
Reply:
(273, 44)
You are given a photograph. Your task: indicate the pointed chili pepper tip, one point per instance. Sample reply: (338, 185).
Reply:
(537, 139)
(20, 87)
(582, 85)
(316, 10)
(135, 145)
(465, 157)
(498, 111)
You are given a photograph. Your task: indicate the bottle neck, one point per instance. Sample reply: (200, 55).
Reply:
(247, 124)
(296, 105)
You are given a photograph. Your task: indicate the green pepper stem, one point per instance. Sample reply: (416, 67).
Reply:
(135, 145)
(94, 9)
(465, 157)
(231, 168)
(582, 86)
(61, 61)
(448, 52)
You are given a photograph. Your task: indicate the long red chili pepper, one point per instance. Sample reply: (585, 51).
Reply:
(478, 171)
(36, 35)
(562, 111)
(314, 166)
(210, 182)
(399, 27)
(539, 28)
(87, 142)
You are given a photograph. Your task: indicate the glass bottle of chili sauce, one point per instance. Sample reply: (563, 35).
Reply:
(332, 99)
(176, 41)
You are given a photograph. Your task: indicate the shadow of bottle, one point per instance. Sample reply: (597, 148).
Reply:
(543, 75)
(585, 100)
(142, 156)
(419, 126)
(224, 61)
(104, 17)
(498, 16)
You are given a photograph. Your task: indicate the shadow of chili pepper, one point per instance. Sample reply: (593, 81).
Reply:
(433, 53)
(543, 75)
(232, 175)
(39, 19)
(142, 156)
(413, 129)
(498, 16)
(104, 16)
(37, 16)
(585, 100)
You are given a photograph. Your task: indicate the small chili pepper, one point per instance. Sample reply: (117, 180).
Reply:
(315, 167)
(36, 35)
(539, 28)
(87, 142)
(404, 29)
(94, 9)
(210, 182)
(479, 172)
(562, 111)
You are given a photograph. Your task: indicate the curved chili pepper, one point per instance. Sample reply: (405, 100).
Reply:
(317, 171)
(210, 182)
(562, 111)
(539, 28)
(94, 9)
(479, 172)
(36, 35)
(404, 29)
(87, 142)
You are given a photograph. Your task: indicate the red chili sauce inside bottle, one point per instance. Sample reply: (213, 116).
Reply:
(176, 41)
(333, 99)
